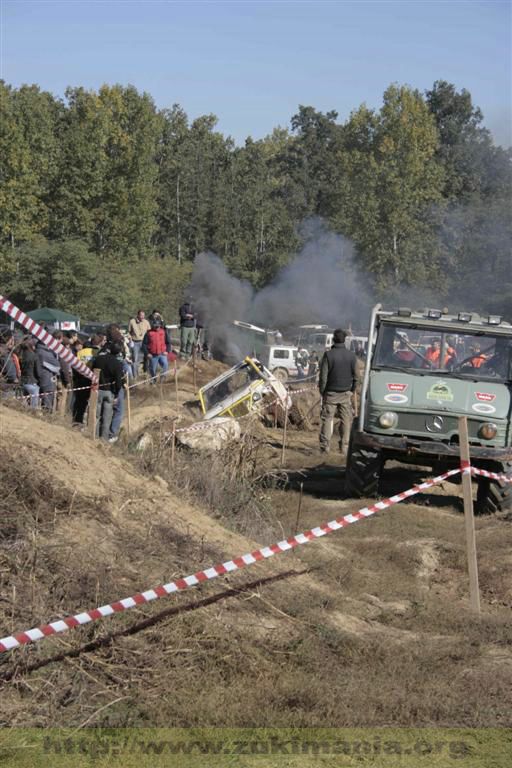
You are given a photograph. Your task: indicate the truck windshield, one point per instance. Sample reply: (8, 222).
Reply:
(481, 356)
(235, 381)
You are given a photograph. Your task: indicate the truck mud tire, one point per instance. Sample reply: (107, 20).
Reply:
(493, 495)
(281, 374)
(364, 468)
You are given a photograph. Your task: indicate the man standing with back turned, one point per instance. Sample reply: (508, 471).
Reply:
(137, 329)
(187, 328)
(337, 383)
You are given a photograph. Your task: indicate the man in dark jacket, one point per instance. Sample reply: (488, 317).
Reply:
(50, 371)
(187, 328)
(82, 383)
(8, 372)
(30, 372)
(111, 373)
(338, 378)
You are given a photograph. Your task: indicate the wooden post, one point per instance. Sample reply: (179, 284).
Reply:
(355, 405)
(474, 594)
(161, 385)
(173, 444)
(176, 381)
(194, 380)
(63, 401)
(315, 405)
(284, 429)
(93, 405)
(299, 509)
(128, 407)
(13, 607)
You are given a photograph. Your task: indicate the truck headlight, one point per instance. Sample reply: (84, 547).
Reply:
(488, 431)
(388, 419)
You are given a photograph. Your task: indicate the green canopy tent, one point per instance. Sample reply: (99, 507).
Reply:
(65, 321)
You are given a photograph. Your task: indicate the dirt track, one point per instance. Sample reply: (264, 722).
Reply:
(369, 626)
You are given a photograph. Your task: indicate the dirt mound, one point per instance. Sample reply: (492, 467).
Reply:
(150, 401)
(330, 634)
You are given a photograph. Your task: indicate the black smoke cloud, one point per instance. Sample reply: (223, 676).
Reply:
(320, 285)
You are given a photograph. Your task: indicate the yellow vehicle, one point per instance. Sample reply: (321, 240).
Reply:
(242, 389)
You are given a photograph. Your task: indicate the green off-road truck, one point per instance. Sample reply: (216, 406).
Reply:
(424, 370)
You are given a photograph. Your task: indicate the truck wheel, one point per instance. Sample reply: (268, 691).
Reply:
(494, 495)
(281, 374)
(364, 468)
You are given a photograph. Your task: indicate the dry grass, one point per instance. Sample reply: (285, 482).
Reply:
(379, 633)
(224, 482)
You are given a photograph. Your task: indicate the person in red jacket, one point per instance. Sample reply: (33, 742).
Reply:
(156, 345)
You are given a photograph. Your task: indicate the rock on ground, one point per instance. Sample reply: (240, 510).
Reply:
(213, 437)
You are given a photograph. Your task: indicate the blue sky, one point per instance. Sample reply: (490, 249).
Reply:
(252, 63)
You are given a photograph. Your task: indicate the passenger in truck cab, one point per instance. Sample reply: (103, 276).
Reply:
(433, 354)
(451, 352)
(500, 364)
(478, 358)
(405, 356)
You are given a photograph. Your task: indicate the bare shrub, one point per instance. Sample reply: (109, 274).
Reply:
(225, 481)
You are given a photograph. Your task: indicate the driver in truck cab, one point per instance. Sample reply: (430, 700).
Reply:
(405, 355)
(478, 358)
(433, 354)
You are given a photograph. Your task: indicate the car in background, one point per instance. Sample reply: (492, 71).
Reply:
(317, 337)
(281, 360)
(90, 329)
(358, 344)
(18, 332)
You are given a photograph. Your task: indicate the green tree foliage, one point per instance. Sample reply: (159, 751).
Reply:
(313, 174)
(390, 184)
(55, 274)
(105, 201)
(107, 190)
(192, 162)
(465, 147)
(22, 209)
(66, 274)
(261, 230)
(476, 231)
(128, 220)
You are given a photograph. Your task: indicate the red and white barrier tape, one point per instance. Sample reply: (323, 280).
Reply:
(39, 332)
(130, 386)
(303, 389)
(152, 378)
(501, 476)
(467, 469)
(57, 391)
(79, 619)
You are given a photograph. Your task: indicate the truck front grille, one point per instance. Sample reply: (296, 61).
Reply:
(434, 426)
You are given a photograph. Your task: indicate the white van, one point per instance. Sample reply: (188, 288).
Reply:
(358, 344)
(281, 360)
(320, 338)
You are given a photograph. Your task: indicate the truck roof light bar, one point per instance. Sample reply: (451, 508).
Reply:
(465, 317)
(494, 319)
(434, 314)
(404, 312)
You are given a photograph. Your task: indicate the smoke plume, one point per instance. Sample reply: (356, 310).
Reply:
(320, 285)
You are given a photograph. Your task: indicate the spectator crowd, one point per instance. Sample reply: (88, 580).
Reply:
(30, 370)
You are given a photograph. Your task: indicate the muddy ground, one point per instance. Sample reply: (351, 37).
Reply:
(370, 625)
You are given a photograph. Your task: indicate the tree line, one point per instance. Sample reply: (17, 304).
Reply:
(105, 200)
